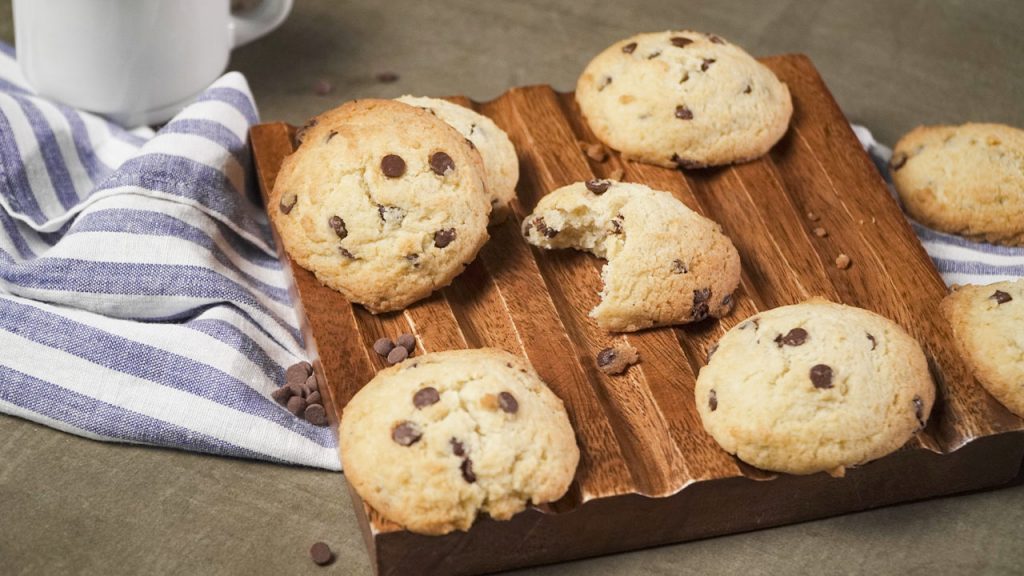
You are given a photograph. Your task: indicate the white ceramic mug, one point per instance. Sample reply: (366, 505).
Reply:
(134, 61)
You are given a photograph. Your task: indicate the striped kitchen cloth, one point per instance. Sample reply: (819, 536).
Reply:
(141, 299)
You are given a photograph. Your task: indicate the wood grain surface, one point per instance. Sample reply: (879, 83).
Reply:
(648, 473)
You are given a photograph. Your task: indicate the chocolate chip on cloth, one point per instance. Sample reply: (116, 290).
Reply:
(617, 358)
(321, 554)
(802, 390)
(392, 180)
(648, 270)
(478, 427)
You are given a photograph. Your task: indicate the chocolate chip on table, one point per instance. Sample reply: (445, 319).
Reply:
(298, 372)
(314, 398)
(713, 400)
(281, 395)
(387, 77)
(441, 163)
(897, 161)
(397, 354)
(1000, 297)
(795, 337)
(392, 166)
(543, 228)
(316, 415)
(919, 410)
(706, 64)
(684, 113)
(821, 376)
(598, 186)
(383, 346)
(467, 471)
(297, 405)
(426, 397)
(628, 48)
(508, 403)
(406, 434)
(843, 262)
(680, 41)
(407, 341)
(874, 343)
(338, 225)
(457, 448)
(444, 237)
(679, 267)
(321, 554)
(288, 202)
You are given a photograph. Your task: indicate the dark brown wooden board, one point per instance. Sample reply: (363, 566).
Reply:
(649, 474)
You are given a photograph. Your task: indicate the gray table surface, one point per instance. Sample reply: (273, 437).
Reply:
(70, 505)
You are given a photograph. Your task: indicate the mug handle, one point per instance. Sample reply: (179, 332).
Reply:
(259, 21)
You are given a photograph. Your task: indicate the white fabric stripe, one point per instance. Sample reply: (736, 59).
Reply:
(200, 150)
(111, 150)
(37, 246)
(284, 355)
(65, 141)
(35, 169)
(15, 410)
(220, 112)
(963, 254)
(961, 278)
(163, 403)
(11, 71)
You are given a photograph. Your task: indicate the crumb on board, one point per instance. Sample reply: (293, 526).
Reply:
(617, 358)
(843, 262)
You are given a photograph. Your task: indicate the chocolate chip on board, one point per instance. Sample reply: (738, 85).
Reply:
(426, 397)
(383, 346)
(392, 166)
(606, 357)
(316, 415)
(397, 354)
(321, 554)
(821, 376)
(407, 341)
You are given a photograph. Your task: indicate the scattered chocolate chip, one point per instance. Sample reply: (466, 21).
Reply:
(712, 350)
(383, 346)
(467, 471)
(297, 405)
(444, 237)
(1000, 297)
(713, 400)
(654, 55)
(605, 81)
(715, 39)
(543, 228)
(397, 354)
(919, 410)
(298, 372)
(441, 163)
(311, 385)
(596, 152)
(679, 267)
(700, 304)
(616, 174)
(344, 252)
(321, 554)
(457, 448)
(336, 223)
(598, 186)
(407, 341)
(616, 224)
(406, 434)
(680, 41)
(316, 415)
(820, 232)
(606, 357)
(898, 161)
(387, 77)
(821, 376)
(508, 403)
(616, 359)
(843, 262)
(795, 337)
(426, 397)
(323, 87)
(297, 388)
(281, 395)
(392, 166)
(314, 398)
(706, 64)
(628, 48)
(748, 89)
(874, 343)
(684, 113)
(288, 202)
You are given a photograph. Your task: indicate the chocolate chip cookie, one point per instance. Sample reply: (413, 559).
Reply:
(666, 263)
(812, 387)
(438, 439)
(966, 180)
(683, 99)
(988, 326)
(499, 155)
(383, 201)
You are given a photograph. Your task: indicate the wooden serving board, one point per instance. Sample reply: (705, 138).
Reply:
(649, 474)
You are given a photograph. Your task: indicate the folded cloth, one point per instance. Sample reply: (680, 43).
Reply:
(141, 299)
(959, 261)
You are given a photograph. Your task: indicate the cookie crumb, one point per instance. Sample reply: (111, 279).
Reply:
(617, 358)
(843, 262)
(820, 232)
(837, 472)
(812, 217)
(616, 174)
(321, 554)
(595, 152)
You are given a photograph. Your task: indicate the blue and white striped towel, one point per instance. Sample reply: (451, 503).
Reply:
(141, 299)
(140, 296)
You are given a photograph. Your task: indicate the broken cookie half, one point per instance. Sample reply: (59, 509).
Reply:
(666, 263)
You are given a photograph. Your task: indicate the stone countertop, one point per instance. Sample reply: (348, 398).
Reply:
(70, 505)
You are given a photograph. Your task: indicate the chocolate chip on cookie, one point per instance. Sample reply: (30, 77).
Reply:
(654, 55)
(712, 400)
(338, 225)
(543, 228)
(344, 252)
(919, 410)
(821, 376)
(443, 238)
(605, 81)
(794, 337)
(874, 343)
(287, 203)
(426, 397)
(680, 41)
(441, 163)
(457, 448)
(392, 166)
(467, 471)
(629, 48)
(715, 39)
(598, 186)
(1001, 297)
(508, 403)
(706, 63)
(684, 113)
(679, 267)
(406, 433)
(700, 308)
(898, 161)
